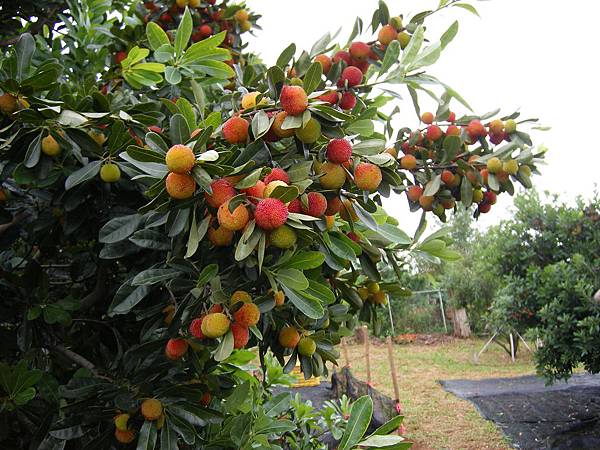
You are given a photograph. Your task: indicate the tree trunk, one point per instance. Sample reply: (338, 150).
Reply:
(460, 322)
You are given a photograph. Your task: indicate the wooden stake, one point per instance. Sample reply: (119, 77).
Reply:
(512, 347)
(476, 358)
(345, 350)
(367, 359)
(393, 368)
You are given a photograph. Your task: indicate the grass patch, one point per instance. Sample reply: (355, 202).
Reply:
(436, 419)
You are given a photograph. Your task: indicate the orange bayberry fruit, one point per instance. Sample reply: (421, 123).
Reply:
(215, 325)
(325, 62)
(248, 315)
(180, 159)
(180, 186)
(233, 221)
(293, 100)
(151, 409)
(289, 337)
(339, 151)
(222, 190)
(414, 193)
(317, 204)
(176, 348)
(235, 130)
(270, 213)
(367, 176)
(241, 335)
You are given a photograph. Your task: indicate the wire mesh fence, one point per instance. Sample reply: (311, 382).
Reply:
(423, 312)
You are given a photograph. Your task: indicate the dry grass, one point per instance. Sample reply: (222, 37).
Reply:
(436, 419)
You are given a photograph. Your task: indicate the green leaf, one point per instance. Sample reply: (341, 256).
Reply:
(86, 173)
(389, 427)
(119, 228)
(179, 131)
(387, 442)
(305, 260)
(260, 124)
(449, 34)
(394, 234)
(150, 239)
(126, 298)
(391, 56)
(147, 437)
(145, 155)
(468, 7)
(156, 36)
(183, 34)
(466, 192)
(34, 151)
(433, 186)
(369, 147)
(168, 437)
(308, 305)
(312, 78)
(285, 193)
(293, 278)
(285, 56)
(25, 47)
(364, 128)
(360, 417)
(225, 347)
(203, 48)
(413, 47)
(153, 276)
(172, 75)
(250, 179)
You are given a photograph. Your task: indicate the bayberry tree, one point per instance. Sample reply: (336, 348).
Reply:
(174, 208)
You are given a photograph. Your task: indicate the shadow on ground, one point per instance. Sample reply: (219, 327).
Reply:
(564, 416)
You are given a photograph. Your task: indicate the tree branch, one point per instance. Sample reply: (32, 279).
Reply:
(78, 359)
(99, 290)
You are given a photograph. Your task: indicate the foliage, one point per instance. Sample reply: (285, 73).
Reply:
(120, 260)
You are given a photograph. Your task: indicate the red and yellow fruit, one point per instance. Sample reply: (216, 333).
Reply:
(333, 176)
(222, 190)
(270, 213)
(233, 221)
(215, 325)
(289, 337)
(220, 237)
(176, 348)
(241, 335)
(339, 151)
(367, 176)
(240, 296)
(325, 62)
(352, 75)
(278, 122)
(248, 315)
(387, 34)
(180, 186)
(235, 130)
(293, 100)
(151, 409)
(317, 204)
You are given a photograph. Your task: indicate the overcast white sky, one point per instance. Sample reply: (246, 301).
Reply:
(538, 56)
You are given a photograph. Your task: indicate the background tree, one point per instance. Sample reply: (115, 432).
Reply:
(171, 202)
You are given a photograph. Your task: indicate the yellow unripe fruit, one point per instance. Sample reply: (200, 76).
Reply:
(310, 133)
(373, 287)
(403, 38)
(307, 346)
(97, 136)
(124, 437)
(525, 170)
(363, 293)
(333, 175)
(279, 298)
(240, 296)
(477, 195)
(121, 421)
(194, 3)
(241, 15)
(180, 159)
(269, 188)
(246, 25)
(151, 409)
(510, 126)
(49, 146)
(283, 237)
(110, 173)
(249, 100)
(511, 166)
(215, 325)
(494, 165)
(181, 3)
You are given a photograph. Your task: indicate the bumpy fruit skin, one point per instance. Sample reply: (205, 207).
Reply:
(110, 173)
(233, 221)
(269, 188)
(475, 129)
(241, 335)
(180, 186)
(222, 190)
(215, 325)
(325, 62)
(511, 167)
(180, 159)
(352, 75)
(408, 162)
(331, 97)
(121, 421)
(270, 213)
(151, 409)
(490, 197)
(256, 191)
(359, 50)
(427, 118)
(235, 130)
(367, 176)
(293, 100)
(277, 174)
(249, 100)
(347, 101)
(510, 126)
(452, 130)
(404, 39)
(279, 297)
(276, 126)
(373, 287)
(339, 151)
(176, 348)
(8, 103)
(307, 346)
(124, 437)
(310, 133)
(494, 165)
(241, 15)
(317, 204)
(426, 202)
(333, 175)
(283, 237)
(387, 34)
(414, 193)
(240, 296)
(434, 133)
(484, 207)
(49, 146)
(496, 127)
(220, 237)
(289, 337)
(248, 315)
(333, 206)
(342, 55)
(195, 328)
(295, 206)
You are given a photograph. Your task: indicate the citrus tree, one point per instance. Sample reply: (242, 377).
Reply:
(173, 209)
